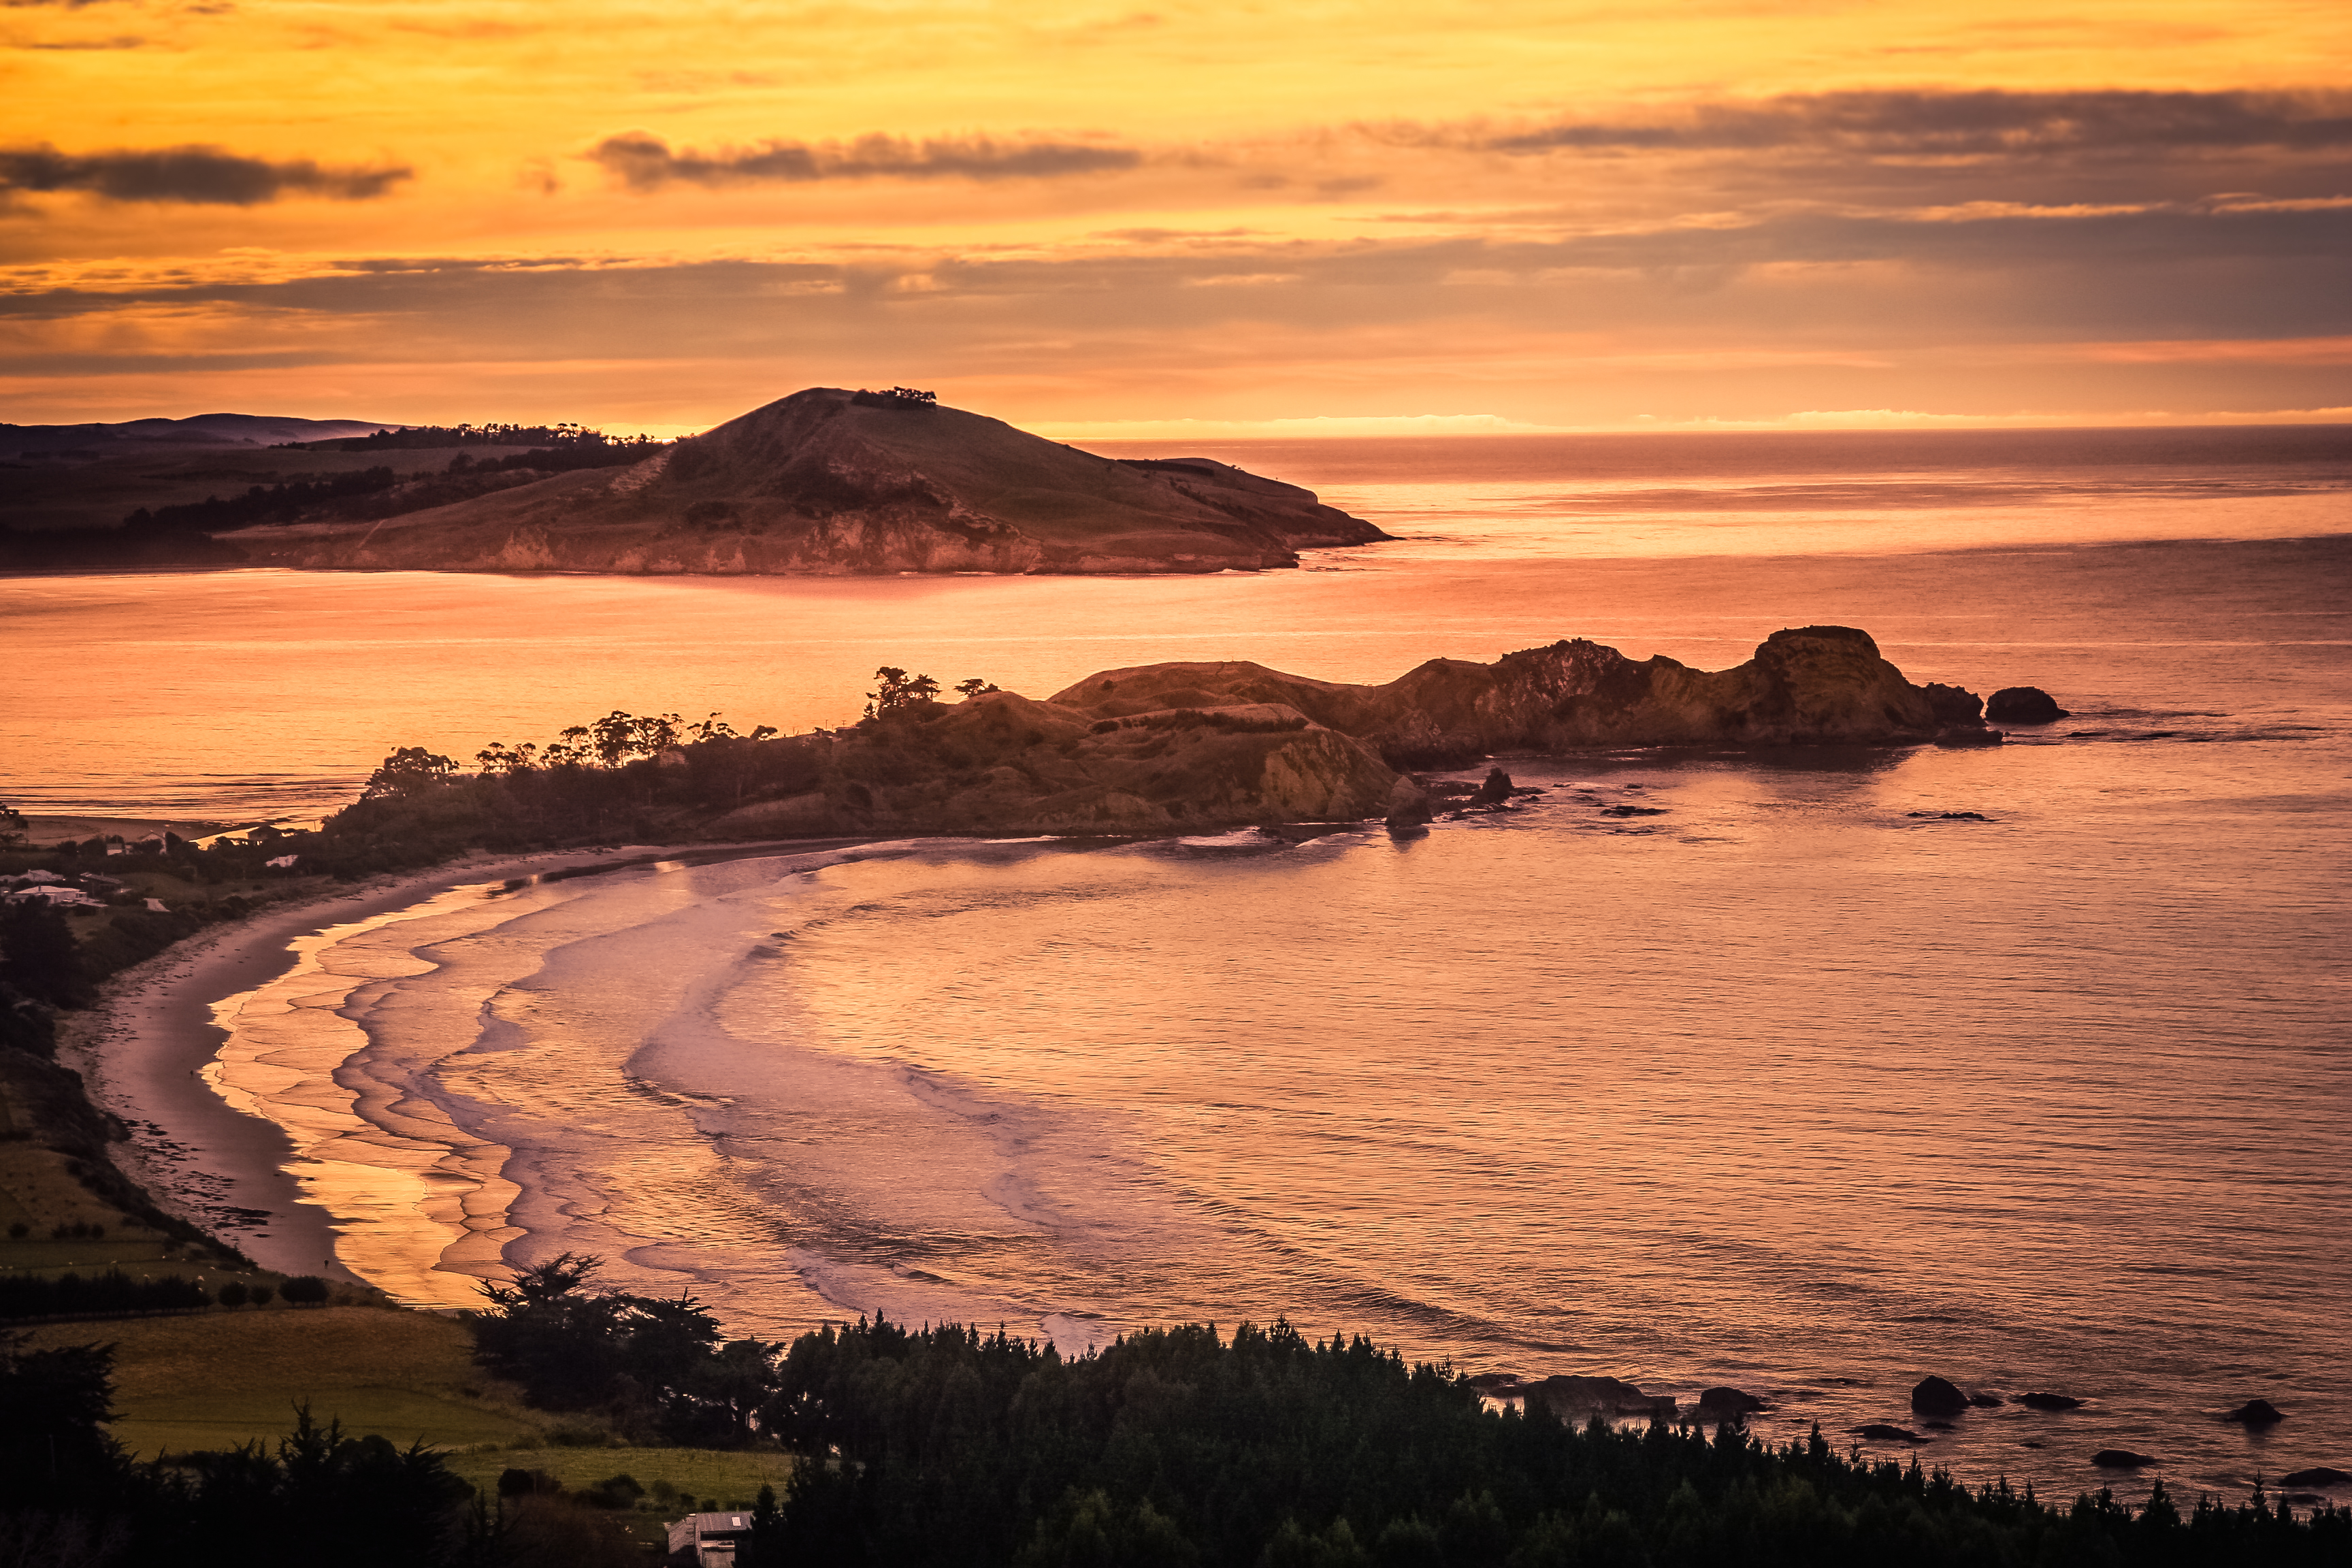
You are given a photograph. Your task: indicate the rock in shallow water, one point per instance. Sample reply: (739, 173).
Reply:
(2317, 1476)
(1936, 1396)
(1880, 1432)
(2121, 1459)
(1728, 1402)
(2023, 705)
(2049, 1402)
(2256, 1413)
(1495, 791)
(1578, 1398)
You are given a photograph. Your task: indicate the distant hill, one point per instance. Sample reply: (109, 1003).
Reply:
(830, 481)
(87, 442)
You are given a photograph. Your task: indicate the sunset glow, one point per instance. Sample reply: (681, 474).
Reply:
(1094, 218)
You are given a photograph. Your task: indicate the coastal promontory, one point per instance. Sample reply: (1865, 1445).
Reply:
(1153, 750)
(835, 482)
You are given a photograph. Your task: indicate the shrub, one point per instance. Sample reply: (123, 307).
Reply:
(304, 1290)
(260, 1295)
(112, 1291)
(621, 1491)
(233, 1294)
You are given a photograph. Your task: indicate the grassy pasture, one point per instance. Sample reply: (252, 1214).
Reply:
(722, 1475)
(214, 1380)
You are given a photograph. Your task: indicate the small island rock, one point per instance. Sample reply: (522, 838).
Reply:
(1881, 1432)
(1581, 1398)
(1495, 791)
(1954, 704)
(1408, 805)
(2317, 1476)
(1936, 1396)
(2256, 1413)
(2023, 705)
(1728, 1402)
(2049, 1402)
(2121, 1459)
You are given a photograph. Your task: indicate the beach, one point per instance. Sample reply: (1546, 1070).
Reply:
(145, 1050)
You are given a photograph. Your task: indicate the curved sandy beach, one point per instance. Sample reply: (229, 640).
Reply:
(144, 1048)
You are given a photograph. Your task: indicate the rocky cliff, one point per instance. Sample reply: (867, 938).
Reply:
(834, 482)
(1807, 686)
(1192, 747)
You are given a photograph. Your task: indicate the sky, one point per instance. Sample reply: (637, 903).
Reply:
(1158, 217)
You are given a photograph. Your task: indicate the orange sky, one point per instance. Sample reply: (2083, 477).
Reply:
(1124, 218)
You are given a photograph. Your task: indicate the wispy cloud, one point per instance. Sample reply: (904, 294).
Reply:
(1965, 124)
(195, 174)
(644, 162)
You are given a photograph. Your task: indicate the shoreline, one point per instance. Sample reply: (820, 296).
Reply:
(143, 1049)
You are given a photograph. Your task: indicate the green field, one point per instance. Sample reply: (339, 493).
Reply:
(214, 1380)
(729, 1478)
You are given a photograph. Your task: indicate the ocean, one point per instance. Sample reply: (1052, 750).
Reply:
(1794, 1082)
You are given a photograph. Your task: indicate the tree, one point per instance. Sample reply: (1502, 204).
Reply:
(12, 825)
(500, 760)
(976, 686)
(411, 770)
(900, 691)
(40, 957)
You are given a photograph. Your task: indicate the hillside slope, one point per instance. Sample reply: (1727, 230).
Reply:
(833, 482)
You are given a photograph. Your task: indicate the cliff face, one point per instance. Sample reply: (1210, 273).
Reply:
(1810, 686)
(834, 483)
(1180, 748)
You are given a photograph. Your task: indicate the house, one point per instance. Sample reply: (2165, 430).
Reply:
(707, 1539)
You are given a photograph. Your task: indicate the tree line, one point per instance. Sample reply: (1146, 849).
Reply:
(1179, 1447)
(1262, 1448)
(433, 437)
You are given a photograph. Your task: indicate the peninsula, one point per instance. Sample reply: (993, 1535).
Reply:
(1156, 749)
(834, 482)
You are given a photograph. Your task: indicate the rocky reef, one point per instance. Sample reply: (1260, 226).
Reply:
(832, 482)
(1190, 747)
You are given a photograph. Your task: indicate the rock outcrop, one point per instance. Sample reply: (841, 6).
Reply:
(1725, 1404)
(1807, 686)
(1185, 748)
(2050, 1402)
(2023, 705)
(2317, 1476)
(2256, 1413)
(1937, 1396)
(1579, 1399)
(829, 482)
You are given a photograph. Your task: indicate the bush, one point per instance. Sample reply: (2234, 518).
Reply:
(304, 1290)
(113, 1291)
(233, 1294)
(621, 1491)
(260, 1295)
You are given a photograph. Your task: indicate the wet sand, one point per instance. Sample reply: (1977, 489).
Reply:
(144, 1049)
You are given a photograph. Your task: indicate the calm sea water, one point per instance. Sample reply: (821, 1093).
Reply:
(1784, 1086)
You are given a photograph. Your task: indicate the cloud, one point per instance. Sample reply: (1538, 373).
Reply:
(1967, 124)
(190, 174)
(644, 161)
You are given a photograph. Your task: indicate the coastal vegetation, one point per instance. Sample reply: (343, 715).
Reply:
(874, 1443)
(51, 526)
